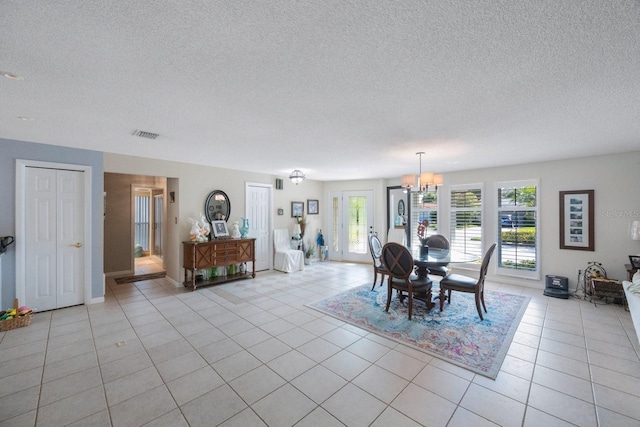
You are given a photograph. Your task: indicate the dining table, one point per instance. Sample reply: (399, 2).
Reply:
(426, 257)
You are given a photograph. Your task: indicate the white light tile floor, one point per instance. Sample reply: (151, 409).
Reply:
(249, 353)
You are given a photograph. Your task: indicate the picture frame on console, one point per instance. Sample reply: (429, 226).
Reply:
(577, 220)
(219, 229)
(634, 260)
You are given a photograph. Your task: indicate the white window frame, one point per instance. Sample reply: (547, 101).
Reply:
(511, 272)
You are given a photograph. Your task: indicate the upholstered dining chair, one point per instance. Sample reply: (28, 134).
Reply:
(399, 263)
(375, 247)
(458, 282)
(438, 241)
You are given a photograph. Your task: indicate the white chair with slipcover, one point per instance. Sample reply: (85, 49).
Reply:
(286, 259)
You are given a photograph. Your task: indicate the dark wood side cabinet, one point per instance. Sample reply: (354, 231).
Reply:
(217, 253)
(630, 272)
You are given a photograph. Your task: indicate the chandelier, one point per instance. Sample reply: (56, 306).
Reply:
(425, 179)
(296, 176)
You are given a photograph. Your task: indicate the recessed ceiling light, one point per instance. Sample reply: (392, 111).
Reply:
(26, 119)
(11, 76)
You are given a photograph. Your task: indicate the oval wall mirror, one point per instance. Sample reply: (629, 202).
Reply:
(217, 207)
(401, 207)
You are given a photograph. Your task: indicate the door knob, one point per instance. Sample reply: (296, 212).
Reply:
(77, 245)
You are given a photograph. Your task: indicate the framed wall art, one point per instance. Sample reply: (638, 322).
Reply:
(219, 228)
(312, 207)
(634, 260)
(577, 220)
(297, 209)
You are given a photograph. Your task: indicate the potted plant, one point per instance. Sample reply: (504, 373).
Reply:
(308, 254)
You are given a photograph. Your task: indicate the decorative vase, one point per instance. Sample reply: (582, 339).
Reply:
(244, 230)
(235, 233)
(424, 248)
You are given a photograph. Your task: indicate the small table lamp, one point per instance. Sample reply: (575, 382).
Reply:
(297, 231)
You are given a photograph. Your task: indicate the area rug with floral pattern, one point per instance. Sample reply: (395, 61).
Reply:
(456, 334)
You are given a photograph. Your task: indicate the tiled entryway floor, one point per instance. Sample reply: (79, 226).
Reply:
(147, 265)
(249, 353)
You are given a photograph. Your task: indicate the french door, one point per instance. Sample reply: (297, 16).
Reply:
(350, 219)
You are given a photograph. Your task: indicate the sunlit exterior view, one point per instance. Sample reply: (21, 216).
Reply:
(357, 206)
(517, 222)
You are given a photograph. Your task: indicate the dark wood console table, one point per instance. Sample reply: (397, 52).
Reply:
(217, 253)
(630, 272)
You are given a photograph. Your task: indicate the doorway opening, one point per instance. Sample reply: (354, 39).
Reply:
(350, 221)
(148, 223)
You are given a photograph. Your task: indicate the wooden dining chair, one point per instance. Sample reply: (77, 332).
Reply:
(438, 241)
(458, 282)
(399, 263)
(375, 247)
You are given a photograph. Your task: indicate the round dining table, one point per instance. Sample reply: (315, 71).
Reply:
(425, 258)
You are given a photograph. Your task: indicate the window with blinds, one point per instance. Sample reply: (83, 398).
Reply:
(424, 206)
(517, 224)
(466, 220)
(141, 223)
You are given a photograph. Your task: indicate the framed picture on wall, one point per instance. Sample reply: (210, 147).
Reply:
(634, 260)
(576, 220)
(297, 209)
(312, 207)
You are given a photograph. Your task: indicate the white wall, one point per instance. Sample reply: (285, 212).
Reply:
(192, 183)
(617, 202)
(613, 177)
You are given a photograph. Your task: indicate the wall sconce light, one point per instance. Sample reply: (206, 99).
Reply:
(297, 176)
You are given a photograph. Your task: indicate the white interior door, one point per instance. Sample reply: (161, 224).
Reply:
(258, 206)
(54, 238)
(350, 218)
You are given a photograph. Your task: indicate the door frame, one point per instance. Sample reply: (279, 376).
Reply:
(343, 225)
(247, 201)
(21, 265)
(151, 189)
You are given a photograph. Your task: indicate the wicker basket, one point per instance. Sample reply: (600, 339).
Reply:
(607, 288)
(16, 322)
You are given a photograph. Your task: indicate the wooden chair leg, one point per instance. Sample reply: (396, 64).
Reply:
(449, 296)
(478, 306)
(442, 298)
(410, 302)
(389, 291)
(482, 300)
(375, 278)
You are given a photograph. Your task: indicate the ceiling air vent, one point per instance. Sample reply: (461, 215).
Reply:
(143, 134)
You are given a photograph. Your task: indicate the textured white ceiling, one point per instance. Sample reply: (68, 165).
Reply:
(339, 89)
